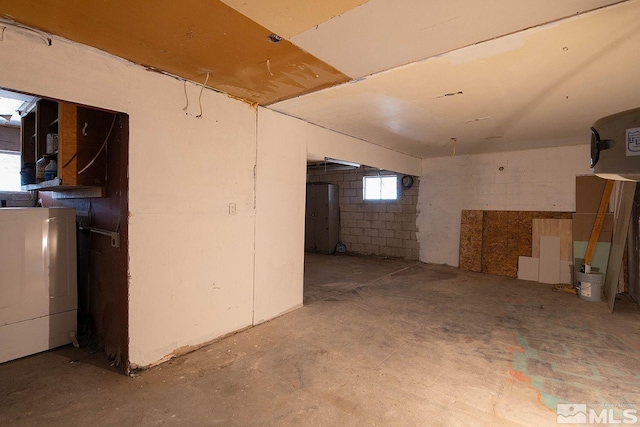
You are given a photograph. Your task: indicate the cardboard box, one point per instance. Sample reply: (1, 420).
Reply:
(589, 189)
(583, 224)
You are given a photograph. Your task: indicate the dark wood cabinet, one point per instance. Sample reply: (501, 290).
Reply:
(322, 219)
(80, 134)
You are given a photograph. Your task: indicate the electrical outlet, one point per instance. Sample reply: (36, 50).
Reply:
(232, 208)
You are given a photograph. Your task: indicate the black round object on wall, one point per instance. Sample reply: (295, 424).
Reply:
(407, 181)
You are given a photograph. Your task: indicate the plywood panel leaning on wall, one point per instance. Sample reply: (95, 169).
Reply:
(471, 241)
(503, 237)
(500, 248)
(552, 227)
(624, 205)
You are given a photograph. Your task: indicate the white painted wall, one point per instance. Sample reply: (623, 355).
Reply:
(532, 180)
(322, 143)
(283, 143)
(191, 260)
(191, 263)
(193, 274)
(280, 201)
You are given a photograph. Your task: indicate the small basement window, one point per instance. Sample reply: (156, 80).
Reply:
(9, 171)
(380, 187)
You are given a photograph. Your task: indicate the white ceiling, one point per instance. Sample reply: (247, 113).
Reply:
(426, 75)
(539, 87)
(384, 34)
(542, 86)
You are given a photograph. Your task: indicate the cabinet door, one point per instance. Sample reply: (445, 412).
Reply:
(27, 139)
(46, 122)
(310, 219)
(333, 217)
(93, 127)
(68, 144)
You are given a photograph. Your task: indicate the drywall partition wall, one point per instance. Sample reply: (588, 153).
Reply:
(192, 219)
(283, 145)
(190, 259)
(530, 180)
(322, 143)
(280, 197)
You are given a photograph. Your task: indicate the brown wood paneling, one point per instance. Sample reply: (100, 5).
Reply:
(103, 289)
(471, 241)
(68, 143)
(93, 127)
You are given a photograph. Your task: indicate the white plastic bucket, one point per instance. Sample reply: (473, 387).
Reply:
(590, 286)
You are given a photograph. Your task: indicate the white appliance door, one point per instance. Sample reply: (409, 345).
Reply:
(38, 288)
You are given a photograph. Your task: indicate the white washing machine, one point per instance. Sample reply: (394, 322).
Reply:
(38, 280)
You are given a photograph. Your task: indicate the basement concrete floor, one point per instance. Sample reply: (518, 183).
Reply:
(378, 342)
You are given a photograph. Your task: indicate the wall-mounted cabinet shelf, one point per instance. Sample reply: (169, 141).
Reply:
(70, 135)
(44, 185)
(70, 191)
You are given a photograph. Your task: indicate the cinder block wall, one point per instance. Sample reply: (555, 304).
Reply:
(386, 228)
(11, 199)
(542, 179)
